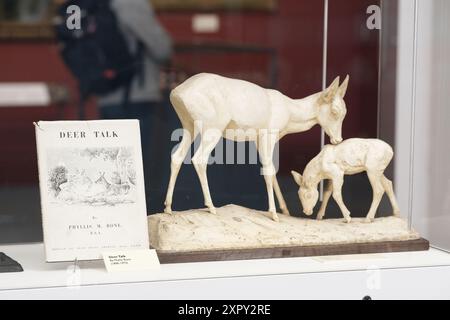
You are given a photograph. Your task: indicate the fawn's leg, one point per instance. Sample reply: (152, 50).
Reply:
(326, 198)
(338, 182)
(375, 179)
(176, 161)
(388, 187)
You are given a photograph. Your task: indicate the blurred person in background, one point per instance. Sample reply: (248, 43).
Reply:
(145, 102)
(140, 28)
(117, 54)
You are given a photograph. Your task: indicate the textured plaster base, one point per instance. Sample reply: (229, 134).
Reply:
(236, 227)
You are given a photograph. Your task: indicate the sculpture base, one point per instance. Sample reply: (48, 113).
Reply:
(238, 233)
(9, 265)
(292, 252)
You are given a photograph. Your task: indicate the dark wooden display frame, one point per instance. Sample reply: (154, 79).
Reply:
(294, 251)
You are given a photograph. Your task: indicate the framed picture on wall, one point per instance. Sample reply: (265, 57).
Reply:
(24, 19)
(32, 19)
(210, 5)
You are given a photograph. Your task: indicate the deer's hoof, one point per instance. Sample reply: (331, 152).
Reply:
(348, 219)
(397, 214)
(285, 211)
(370, 220)
(212, 210)
(320, 217)
(168, 210)
(275, 217)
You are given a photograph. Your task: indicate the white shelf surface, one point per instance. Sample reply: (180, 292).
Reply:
(41, 279)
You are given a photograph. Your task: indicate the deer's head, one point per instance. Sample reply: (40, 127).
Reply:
(332, 109)
(309, 195)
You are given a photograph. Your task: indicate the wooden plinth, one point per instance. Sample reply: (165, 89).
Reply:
(290, 252)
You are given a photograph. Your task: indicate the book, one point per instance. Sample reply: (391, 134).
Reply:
(92, 188)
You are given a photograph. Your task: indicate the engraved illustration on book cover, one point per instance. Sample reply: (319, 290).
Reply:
(92, 188)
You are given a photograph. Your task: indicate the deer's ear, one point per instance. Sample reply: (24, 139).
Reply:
(344, 86)
(297, 177)
(329, 93)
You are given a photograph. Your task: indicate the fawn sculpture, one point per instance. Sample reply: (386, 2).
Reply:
(350, 157)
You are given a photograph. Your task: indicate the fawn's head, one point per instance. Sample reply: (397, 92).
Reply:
(309, 195)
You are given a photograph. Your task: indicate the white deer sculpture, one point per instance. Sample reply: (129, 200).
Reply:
(350, 157)
(216, 107)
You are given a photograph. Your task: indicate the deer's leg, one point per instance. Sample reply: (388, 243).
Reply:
(208, 142)
(266, 146)
(338, 182)
(375, 179)
(326, 198)
(280, 197)
(176, 161)
(278, 193)
(388, 187)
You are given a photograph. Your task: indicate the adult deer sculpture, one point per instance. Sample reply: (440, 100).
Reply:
(216, 107)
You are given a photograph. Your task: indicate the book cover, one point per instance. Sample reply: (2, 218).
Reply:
(92, 188)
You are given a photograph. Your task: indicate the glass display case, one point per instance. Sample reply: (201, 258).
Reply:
(394, 51)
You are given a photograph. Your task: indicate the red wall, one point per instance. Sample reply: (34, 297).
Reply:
(294, 32)
(28, 62)
(354, 50)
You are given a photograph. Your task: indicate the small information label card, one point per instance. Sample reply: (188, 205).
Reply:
(134, 260)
